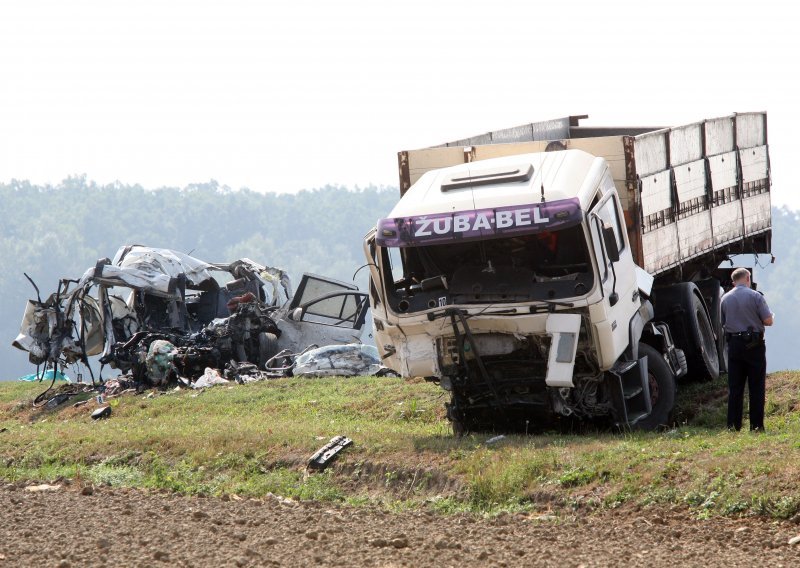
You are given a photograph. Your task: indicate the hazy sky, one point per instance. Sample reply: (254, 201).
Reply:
(287, 95)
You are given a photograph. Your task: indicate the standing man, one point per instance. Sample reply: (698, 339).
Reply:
(744, 315)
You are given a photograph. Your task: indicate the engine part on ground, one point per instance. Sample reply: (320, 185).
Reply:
(327, 453)
(102, 412)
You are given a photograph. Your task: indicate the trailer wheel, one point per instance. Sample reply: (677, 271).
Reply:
(662, 389)
(456, 418)
(682, 308)
(703, 360)
(712, 293)
(267, 348)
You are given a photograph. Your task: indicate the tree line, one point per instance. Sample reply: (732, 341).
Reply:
(57, 231)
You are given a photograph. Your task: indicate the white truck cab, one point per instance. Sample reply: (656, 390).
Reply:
(512, 281)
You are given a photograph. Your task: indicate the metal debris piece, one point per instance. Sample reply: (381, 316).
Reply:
(57, 400)
(327, 453)
(102, 412)
(354, 359)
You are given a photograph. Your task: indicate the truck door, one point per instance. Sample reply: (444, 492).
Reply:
(618, 279)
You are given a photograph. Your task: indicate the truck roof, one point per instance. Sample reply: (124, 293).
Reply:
(500, 182)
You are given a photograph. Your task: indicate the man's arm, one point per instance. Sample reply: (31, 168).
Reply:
(766, 315)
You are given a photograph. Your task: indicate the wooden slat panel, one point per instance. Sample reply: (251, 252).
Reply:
(651, 153)
(660, 248)
(612, 149)
(420, 161)
(719, 136)
(726, 222)
(750, 130)
(686, 144)
(690, 180)
(757, 214)
(656, 193)
(754, 163)
(501, 150)
(694, 234)
(723, 171)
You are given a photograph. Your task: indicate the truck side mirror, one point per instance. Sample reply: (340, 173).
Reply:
(611, 244)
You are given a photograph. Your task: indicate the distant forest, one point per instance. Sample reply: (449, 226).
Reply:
(52, 232)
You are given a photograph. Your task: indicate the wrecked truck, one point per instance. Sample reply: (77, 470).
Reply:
(552, 271)
(160, 314)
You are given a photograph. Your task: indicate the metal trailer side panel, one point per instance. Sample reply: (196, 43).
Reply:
(650, 151)
(554, 129)
(694, 214)
(751, 129)
(686, 144)
(726, 210)
(720, 191)
(659, 230)
(719, 135)
(660, 248)
(755, 189)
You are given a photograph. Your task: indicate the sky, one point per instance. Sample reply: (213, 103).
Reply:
(282, 96)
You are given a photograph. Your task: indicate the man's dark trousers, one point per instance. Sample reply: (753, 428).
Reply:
(746, 366)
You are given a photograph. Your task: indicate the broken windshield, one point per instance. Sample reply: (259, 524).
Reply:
(548, 265)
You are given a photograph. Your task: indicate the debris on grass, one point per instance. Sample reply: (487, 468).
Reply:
(327, 453)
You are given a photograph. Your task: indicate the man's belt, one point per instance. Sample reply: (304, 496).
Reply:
(747, 335)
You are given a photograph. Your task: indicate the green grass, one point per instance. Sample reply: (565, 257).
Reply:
(254, 439)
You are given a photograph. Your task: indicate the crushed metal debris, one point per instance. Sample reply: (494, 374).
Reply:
(327, 453)
(164, 318)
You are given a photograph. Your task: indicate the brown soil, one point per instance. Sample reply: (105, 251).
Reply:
(73, 526)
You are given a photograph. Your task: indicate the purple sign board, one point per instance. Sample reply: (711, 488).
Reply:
(479, 224)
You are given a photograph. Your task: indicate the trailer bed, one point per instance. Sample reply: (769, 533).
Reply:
(690, 193)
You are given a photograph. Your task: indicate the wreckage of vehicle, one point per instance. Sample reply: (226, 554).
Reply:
(161, 315)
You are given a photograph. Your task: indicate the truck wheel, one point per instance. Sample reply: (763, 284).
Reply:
(456, 418)
(662, 389)
(703, 359)
(267, 348)
(712, 293)
(681, 307)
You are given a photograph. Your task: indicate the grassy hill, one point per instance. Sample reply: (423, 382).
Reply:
(254, 439)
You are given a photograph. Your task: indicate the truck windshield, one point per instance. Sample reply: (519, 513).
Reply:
(549, 265)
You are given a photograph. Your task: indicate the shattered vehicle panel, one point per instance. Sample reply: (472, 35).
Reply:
(341, 361)
(161, 314)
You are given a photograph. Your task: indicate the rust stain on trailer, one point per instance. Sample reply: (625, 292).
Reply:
(405, 175)
(633, 217)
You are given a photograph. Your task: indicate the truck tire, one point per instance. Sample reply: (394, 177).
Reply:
(267, 348)
(712, 294)
(662, 389)
(703, 359)
(682, 308)
(457, 421)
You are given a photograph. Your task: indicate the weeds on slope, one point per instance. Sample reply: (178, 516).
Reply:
(254, 439)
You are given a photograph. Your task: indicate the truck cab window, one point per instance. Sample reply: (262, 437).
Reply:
(610, 216)
(396, 264)
(549, 265)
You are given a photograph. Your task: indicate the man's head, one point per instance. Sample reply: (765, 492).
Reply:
(741, 276)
